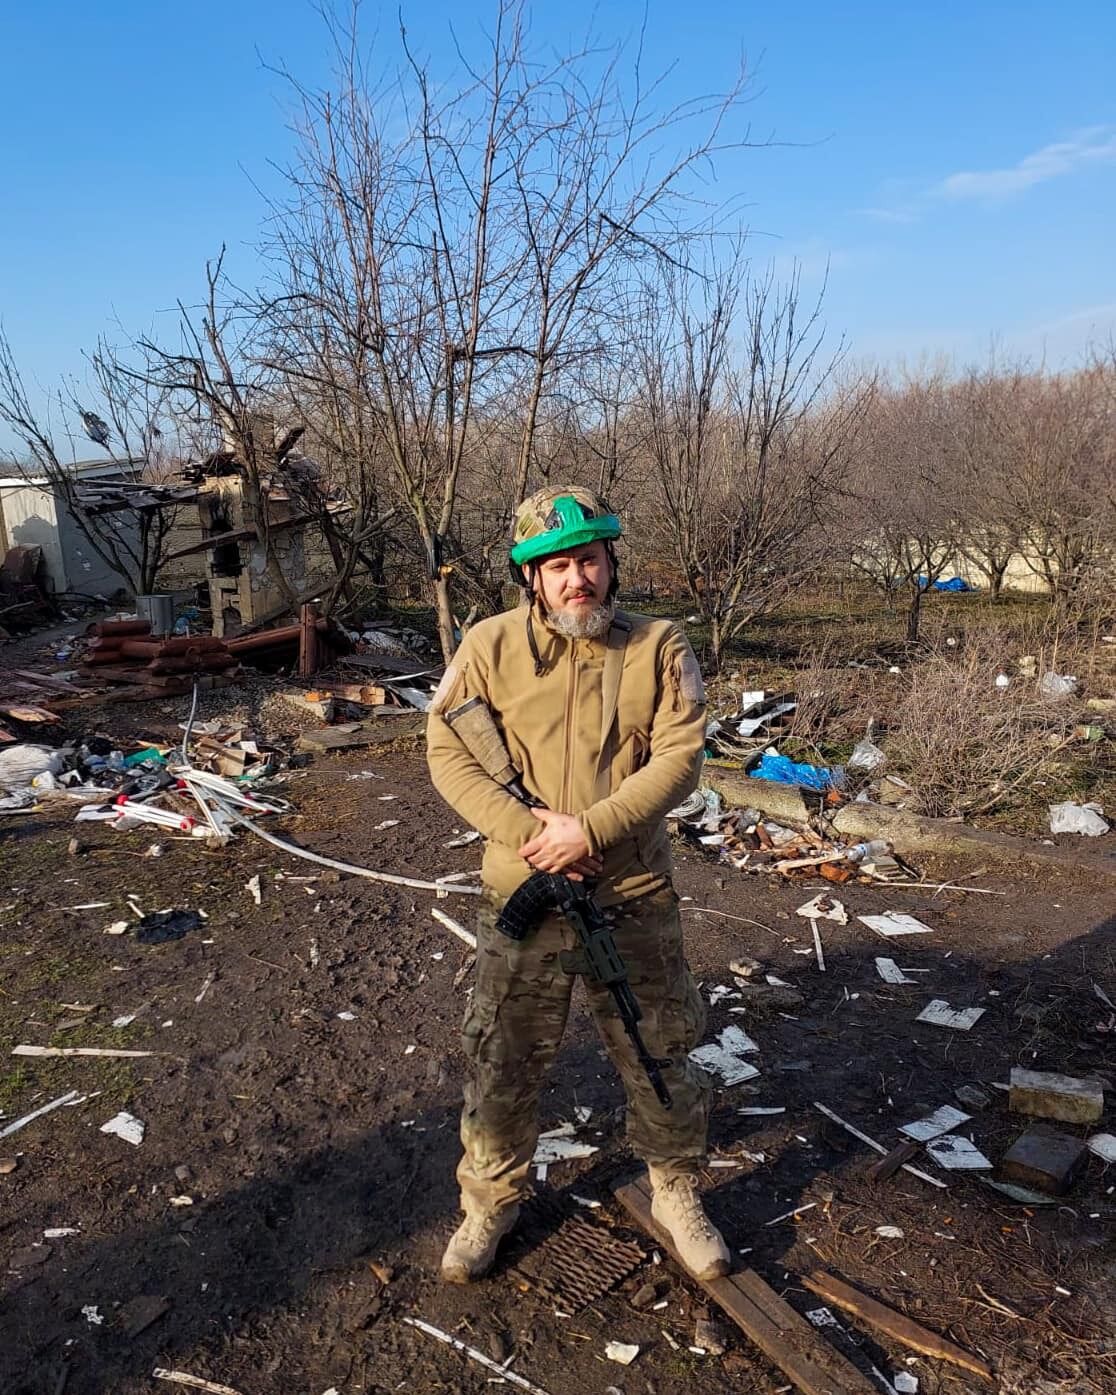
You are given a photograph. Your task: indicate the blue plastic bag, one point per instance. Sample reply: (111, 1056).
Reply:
(784, 771)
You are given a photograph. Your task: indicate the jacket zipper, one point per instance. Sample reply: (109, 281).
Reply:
(571, 707)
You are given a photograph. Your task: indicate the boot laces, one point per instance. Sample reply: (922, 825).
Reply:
(697, 1224)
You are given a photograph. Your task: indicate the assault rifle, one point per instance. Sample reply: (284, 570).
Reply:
(599, 959)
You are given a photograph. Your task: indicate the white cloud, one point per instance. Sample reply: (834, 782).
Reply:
(1085, 149)
(1093, 146)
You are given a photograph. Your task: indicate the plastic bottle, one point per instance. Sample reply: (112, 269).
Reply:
(865, 852)
(116, 761)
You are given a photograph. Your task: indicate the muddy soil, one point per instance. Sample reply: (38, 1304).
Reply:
(305, 1084)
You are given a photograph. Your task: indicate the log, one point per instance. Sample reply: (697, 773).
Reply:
(903, 1329)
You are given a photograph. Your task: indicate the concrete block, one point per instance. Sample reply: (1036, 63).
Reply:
(1047, 1095)
(1045, 1159)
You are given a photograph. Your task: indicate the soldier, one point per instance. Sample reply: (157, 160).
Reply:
(603, 714)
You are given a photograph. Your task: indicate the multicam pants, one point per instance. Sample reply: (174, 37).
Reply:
(515, 1023)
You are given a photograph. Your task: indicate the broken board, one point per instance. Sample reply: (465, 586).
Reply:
(785, 1338)
(352, 736)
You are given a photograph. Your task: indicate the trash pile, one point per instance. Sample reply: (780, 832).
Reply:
(749, 841)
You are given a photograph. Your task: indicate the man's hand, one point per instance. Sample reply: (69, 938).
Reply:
(560, 847)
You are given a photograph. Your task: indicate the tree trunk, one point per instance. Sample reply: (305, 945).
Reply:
(914, 612)
(716, 640)
(444, 609)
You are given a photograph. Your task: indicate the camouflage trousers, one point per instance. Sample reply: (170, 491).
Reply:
(515, 1023)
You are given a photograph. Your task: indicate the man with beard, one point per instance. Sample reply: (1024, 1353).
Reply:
(603, 715)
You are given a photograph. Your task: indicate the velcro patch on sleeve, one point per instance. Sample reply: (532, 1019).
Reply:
(693, 689)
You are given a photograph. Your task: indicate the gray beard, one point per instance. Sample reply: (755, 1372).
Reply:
(587, 626)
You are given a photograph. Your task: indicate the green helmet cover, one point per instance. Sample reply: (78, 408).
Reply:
(569, 523)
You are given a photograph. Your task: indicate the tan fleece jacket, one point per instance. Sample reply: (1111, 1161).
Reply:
(616, 739)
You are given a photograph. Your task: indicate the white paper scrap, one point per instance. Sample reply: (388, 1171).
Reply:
(943, 1120)
(1103, 1145)
(125, 1126)
(623, 1352)
(939, 1014)
(890, 1232)
(559, 1150)
(895, 923)
(890, 972)
(824, 907)
(957, 1154)
(722, 1057)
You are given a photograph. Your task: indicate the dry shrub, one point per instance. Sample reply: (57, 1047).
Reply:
(965, 745)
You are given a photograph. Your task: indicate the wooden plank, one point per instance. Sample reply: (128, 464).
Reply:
(787, 1340)
(236, 535)
(394, 664)
(896, 1325)
(890, 1164)
(308, 640)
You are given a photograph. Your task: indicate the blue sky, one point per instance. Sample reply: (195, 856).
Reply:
(954, 164)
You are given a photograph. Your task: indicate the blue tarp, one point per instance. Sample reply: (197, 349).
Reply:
(784, 771)
(955, 583)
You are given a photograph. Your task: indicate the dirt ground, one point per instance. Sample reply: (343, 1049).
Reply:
(318, 1152)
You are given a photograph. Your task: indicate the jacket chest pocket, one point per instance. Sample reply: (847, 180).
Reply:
(635, 749)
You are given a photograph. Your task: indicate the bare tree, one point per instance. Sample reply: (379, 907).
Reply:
(125, 417)
(905, 503)
(461, 255)
(748, 446)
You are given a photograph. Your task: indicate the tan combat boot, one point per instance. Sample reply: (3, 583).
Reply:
(676, 1208)
(474, 1243)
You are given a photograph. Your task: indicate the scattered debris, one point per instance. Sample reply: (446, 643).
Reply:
(894, 1324)
(464, 840)
(1044, 1159)
(624, 1353)
(889, 1165)
(454, 927)
(745, 967)
(92, 1314)
(502, 1371)
(559, 1146)
(871, 1142)
(824, 907)
(1086, 819)
(790, 1215)
(894, 923)
(890, 971)
(26, 1050)
(70, 1097)
(1047, 1095)
(972, 1096)
(957, 1154)
(723, 1057)
(890, 1232)
(943, 1120)
(1103, 1145)
(252, 887)
(196, 1382)
(127, 1127)
(939, 1014)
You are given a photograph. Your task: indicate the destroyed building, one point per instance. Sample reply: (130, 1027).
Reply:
(262, 527)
